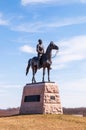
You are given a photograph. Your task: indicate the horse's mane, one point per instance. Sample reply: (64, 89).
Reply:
(48, 48)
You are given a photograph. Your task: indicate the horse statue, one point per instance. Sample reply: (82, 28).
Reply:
(45, 62)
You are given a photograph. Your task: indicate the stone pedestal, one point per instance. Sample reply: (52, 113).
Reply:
(41, 98)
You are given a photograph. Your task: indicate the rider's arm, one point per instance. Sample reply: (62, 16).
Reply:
(38, 49)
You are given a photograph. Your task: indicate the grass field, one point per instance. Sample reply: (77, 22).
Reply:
(43, 122)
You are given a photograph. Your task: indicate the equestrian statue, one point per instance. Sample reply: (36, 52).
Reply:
(42, 61)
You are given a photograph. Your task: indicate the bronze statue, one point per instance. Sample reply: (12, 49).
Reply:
(40, 51)
(45, 62)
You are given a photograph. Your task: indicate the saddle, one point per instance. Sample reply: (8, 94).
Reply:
(38, 62)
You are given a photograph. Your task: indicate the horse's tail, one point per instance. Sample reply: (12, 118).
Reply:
(28, 66)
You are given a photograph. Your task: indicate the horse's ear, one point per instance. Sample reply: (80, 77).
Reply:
(51, 43)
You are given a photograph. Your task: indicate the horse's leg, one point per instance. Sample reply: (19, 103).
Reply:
(33, 72)
(33, 76)
(43, 74)
(28, 66)
(48, 70)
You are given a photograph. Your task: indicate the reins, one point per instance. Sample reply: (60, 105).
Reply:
(55, 54)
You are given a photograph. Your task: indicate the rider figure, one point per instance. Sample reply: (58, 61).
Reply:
(40, 51)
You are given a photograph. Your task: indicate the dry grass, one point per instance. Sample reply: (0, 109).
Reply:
(43, 122)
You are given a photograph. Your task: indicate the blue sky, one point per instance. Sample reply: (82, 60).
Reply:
(22, 23)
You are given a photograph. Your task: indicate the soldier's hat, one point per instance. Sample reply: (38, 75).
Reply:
(40, 41)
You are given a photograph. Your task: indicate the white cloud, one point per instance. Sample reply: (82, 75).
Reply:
(41, 27)
(74, 90)
(83, 1)
(68, 21)
(25, 2)
(5, 86)
(78, 85)
(71, 50)
(27, 49)
(10, 95)
(59, 2)
(3, 21)
(28, 27)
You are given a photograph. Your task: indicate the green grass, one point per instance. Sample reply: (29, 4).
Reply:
(43, 122)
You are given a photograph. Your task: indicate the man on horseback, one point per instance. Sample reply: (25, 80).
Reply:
(40, 51)
(46, 60)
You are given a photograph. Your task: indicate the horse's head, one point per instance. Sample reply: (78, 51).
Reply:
(53, 46)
